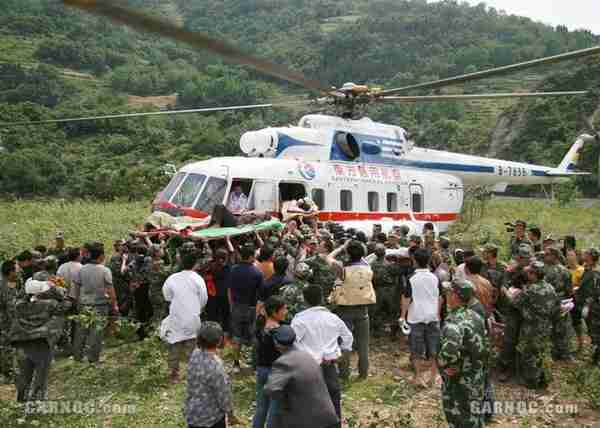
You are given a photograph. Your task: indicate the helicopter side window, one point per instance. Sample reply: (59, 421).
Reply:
(346, 200)
(189, 189)
(212, 195)
(373, 201)
(392, 202)
(416, 197)
(318, 197)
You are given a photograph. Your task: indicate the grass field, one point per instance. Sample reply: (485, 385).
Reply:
(25, 224)
(129, 390)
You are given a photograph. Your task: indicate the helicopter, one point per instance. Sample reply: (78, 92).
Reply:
(356, 171)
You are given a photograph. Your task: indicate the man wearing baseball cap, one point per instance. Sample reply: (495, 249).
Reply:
(462, 358)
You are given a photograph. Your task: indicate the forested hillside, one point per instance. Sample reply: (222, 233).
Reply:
(56, 62)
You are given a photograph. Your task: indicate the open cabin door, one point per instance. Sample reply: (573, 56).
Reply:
(264, 196)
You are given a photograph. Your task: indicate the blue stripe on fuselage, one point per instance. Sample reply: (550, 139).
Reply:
(285, 142)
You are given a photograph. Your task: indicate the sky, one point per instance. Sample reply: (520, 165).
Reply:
(575, 14)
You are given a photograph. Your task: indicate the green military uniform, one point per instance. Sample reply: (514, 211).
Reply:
(516, 278)
(562, 329)
(37, 326)
(383, 282)
(515, 244)
(588, 294)
(293, 297)
(156, 280)
(538, 305)
(463, 348)
(322, 275)
(8, 299)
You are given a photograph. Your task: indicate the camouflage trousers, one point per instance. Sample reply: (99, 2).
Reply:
(385, 311)
(7, 362)
(461, 410)
(535, 362)
(593, 326)
(508, 355)
(562, 333)
(34, 359)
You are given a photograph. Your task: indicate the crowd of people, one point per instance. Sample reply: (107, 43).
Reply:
(294, 303)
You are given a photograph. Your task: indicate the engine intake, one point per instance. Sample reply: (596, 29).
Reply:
(261, 143)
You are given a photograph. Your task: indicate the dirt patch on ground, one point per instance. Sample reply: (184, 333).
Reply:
(163, 102)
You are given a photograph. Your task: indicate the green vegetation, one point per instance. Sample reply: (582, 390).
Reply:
(56, 62)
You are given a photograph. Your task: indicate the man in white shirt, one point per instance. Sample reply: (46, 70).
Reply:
(324, 336)
(187, 296)
(238, 201)
(421, 305)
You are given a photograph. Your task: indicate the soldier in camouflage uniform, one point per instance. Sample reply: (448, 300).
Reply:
(462, 359)
(519, 238)
(322, 275)
(515, 277)
(8, 298)
(493, 270)
(38, 324)
(156, 279)
(559, 277)
(292, 293)
(383, 282)
(538, 305)
(118, 267)
(588, 297)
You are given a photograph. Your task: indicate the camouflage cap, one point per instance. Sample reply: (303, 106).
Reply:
(303, 271)
(325, 234)
(404, 229)
(549, 238)
(524, 251)
(415, 238)
(521, 223)
(463, 288)
(537, 267)
(60, 234)
(489, 247)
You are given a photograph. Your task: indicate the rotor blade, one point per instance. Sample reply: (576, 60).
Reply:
(154, 113)
(140, 21)
(496, 71)
(474, 97)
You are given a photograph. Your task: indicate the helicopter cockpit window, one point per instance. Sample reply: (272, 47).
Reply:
(212, 195)
(172, 186)
(188, 191)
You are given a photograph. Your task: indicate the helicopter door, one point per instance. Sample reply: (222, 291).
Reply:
(264, 196)
(416, 198)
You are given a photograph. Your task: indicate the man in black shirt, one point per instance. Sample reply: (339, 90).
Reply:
(243, 284)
